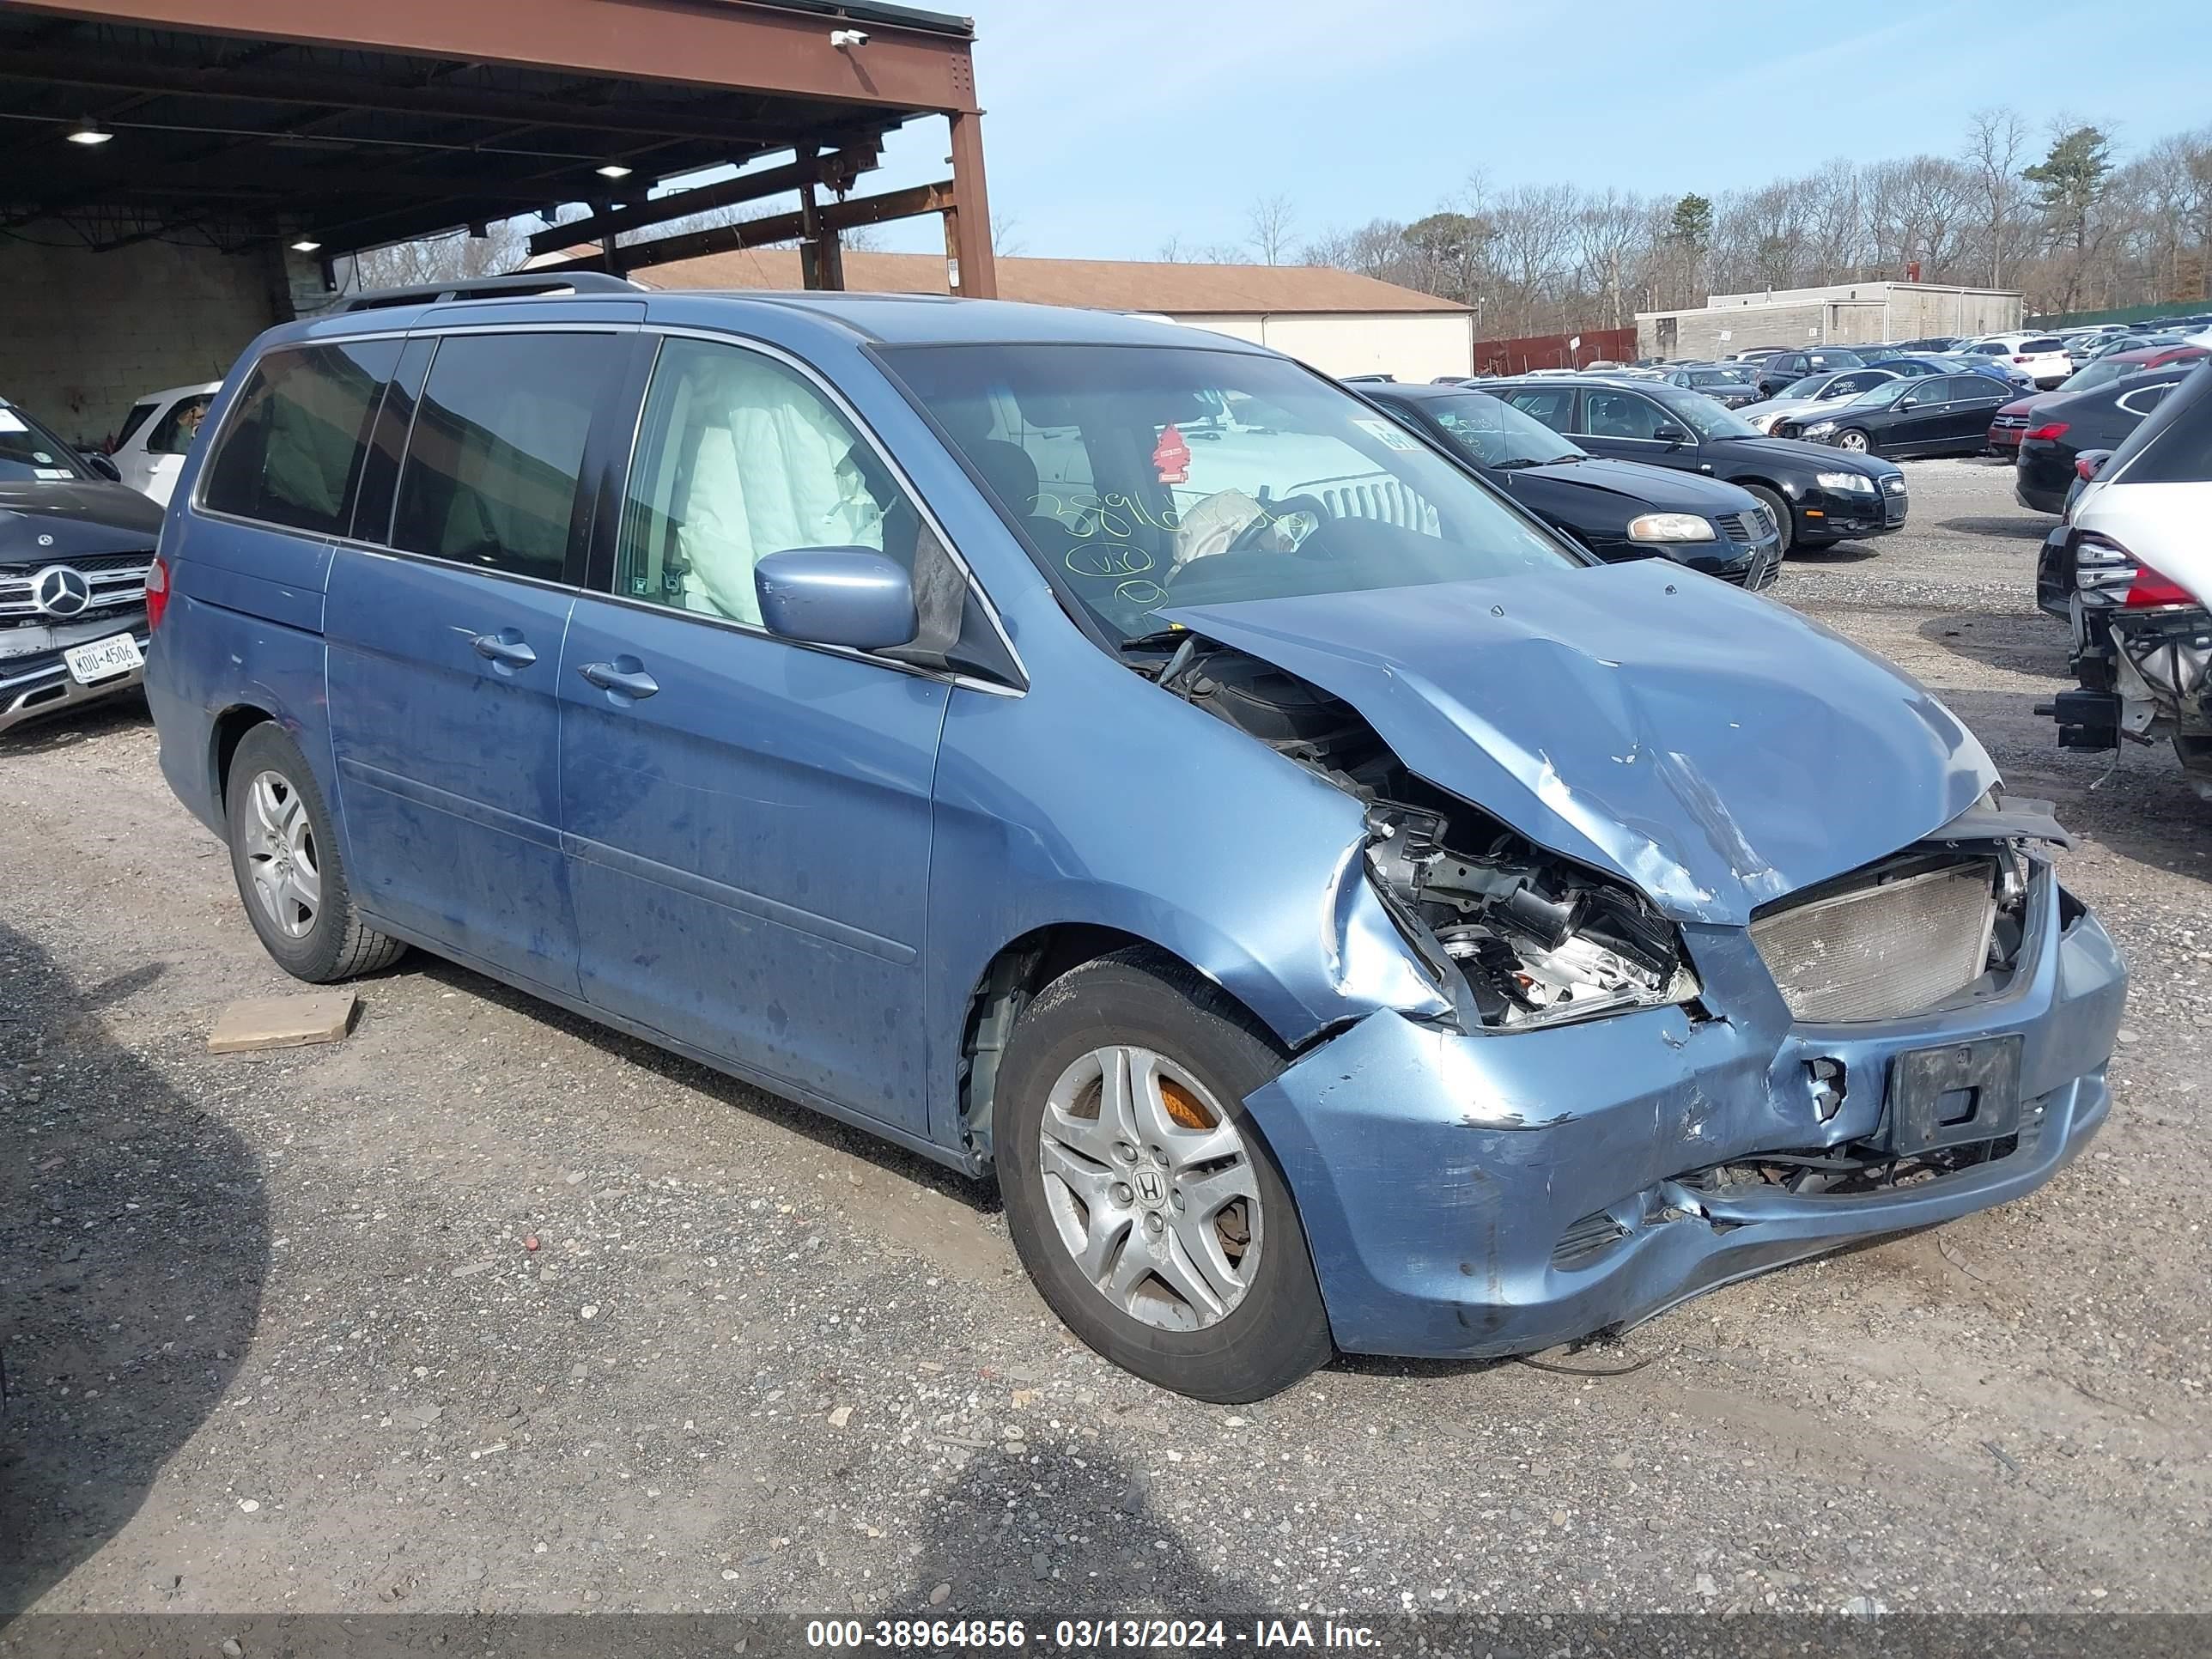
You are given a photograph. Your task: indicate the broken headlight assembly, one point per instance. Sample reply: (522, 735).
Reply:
(1538, 941)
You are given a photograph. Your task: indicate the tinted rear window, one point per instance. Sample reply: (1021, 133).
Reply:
(492, 470)
(2028, 346)
(2174, 445)
(291, 451)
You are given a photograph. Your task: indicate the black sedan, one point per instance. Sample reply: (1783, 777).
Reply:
(1818, 496)
(2097, 419)
(1933, 415)
(1730, 384)
(1618, 509)
(1785, 366)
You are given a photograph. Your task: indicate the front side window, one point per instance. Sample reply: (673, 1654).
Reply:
(492, 466)
(1216, 477)
(292, 450)
(739, 457)
(140, 413)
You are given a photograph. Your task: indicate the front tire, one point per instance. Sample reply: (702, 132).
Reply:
(1856, 441)
(1779, 510)
(1141, 1199)
(285, 853)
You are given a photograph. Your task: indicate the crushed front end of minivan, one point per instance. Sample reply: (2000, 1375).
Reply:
(1749, 956)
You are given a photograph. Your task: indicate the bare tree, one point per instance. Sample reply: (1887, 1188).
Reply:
(1271, 222)
(1005, 243)
(1997, 149)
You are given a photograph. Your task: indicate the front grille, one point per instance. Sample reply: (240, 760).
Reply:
(116, 579)
(1736, 526)
(1884, 950)
(2006, 422)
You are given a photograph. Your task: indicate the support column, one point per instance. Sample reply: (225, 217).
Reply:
(821, 254)
(968, 222)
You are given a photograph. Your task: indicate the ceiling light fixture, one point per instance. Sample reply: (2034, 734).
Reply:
(306, 245)
(89, 132)
(613, 170)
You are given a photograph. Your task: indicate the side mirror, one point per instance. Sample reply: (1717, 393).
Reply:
(105, 466)
(848, 596)
(1908, 401)
(1673, 436)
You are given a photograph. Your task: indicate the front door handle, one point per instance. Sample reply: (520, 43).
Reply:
(626, 675)
(505, 646)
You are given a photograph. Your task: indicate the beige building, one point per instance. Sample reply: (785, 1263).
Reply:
(1340, 322)
(1842, 314)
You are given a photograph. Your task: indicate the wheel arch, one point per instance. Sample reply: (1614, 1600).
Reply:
(1017, 972)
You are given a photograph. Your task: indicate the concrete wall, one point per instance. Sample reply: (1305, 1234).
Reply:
(1411, 345)
(82, 335)
(1853, 314)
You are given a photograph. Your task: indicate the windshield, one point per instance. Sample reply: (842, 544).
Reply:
(29, 453)
(1698, 377)
(1491, 432)
(1881, 396)
(1708, 418)
(1146, 478)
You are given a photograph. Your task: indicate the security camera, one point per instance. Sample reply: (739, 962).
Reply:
(846, 39)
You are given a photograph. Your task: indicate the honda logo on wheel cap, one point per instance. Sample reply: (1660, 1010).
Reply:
(1150, 1187)
(59, 591)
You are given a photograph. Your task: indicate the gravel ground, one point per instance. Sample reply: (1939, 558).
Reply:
(280, 1340)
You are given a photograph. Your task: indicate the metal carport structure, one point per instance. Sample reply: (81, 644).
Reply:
(225, 152)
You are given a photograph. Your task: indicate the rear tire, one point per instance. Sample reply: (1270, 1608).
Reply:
(1134, 1238)
(284, 854)
(1780, 511)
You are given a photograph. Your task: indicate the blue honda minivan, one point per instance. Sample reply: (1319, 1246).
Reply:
(1110, 758)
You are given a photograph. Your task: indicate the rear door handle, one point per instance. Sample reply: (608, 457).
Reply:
(626, 675)
(505, 646)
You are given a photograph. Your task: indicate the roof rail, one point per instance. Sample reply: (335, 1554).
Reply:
(491, 287)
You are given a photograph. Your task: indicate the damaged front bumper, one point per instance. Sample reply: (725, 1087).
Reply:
(1500, 1193)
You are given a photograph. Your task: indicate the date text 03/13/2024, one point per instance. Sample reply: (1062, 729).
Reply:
(1084, 1635)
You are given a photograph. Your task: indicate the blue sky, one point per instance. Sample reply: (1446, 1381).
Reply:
(1115, 124)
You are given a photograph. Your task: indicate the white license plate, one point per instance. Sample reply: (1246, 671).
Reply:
(102, 658)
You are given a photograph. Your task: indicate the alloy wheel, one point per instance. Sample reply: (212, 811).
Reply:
(1855, 441)
(1151, 1188)
(280, 855)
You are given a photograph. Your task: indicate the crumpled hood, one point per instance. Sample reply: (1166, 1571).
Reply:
(1713, 748)
(79, 517)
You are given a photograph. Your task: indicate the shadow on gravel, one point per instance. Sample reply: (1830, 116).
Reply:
(2019, 529)
(993, 1537)
(738, 1096)
(134, 1240)
(80, 724)
(2021, 642)
(1834, 556)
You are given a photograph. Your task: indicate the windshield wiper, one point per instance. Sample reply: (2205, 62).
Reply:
(1517, 461)
(1167, 639)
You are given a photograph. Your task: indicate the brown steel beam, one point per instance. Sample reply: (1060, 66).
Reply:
(721, 43)
(340, 91)
(854, 160)
(781, 228)
(967, 227)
